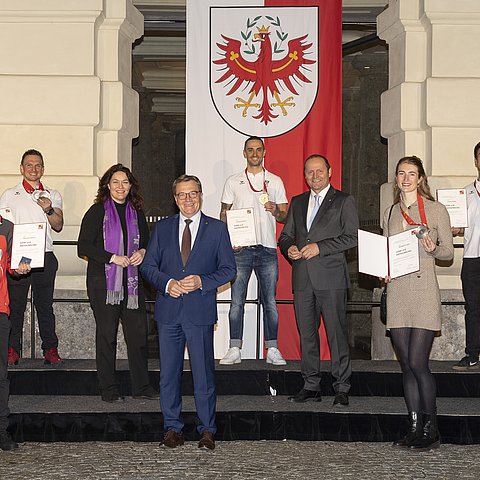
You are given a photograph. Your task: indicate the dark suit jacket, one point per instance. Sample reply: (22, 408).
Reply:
(211, 258)
(334, 229)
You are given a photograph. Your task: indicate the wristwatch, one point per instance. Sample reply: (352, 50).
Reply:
(50, 212)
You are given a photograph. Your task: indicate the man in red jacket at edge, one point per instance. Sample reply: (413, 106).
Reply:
(6, 231)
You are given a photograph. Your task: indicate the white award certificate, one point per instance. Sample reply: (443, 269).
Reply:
(455, 201)
(241, 227)
(388, 256)
(28, 244)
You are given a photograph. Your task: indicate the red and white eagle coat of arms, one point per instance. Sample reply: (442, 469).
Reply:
(264, 75)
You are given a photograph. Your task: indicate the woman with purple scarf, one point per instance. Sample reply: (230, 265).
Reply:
(113, 238)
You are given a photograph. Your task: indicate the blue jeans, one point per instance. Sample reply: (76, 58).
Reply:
(263, 261)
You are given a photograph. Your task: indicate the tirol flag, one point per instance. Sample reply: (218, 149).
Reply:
(270, 69)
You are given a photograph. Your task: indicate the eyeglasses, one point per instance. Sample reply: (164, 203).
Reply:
(192, 195)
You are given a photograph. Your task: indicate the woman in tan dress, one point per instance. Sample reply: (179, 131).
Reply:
(413, 302)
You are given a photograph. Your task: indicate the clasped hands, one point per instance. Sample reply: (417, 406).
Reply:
(190, 283)
(135, 259)
(308, 251)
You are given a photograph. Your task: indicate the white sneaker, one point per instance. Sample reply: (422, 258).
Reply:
(275, 357)
(232, 356)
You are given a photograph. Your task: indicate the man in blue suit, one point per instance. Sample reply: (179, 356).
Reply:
(189, 255)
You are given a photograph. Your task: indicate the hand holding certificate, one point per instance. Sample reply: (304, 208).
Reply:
(388, 256)
(455, 201)
(28, 244)
(241, 227)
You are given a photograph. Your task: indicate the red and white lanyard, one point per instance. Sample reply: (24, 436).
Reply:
(421, 209)
(29, 189)
(251, 186)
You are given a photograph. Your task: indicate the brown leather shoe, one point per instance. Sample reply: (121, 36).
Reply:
(173, 439)
(207, 441)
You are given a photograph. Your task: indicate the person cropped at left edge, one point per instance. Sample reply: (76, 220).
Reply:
(113, 237)
(32, 202)
(6, 231)
(189, 256)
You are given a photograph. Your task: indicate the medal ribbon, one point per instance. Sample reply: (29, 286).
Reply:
(251, 186)
(421, 209)
(29, 189)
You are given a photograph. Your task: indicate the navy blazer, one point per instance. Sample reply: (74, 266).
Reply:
(211, 258)
(334, 229)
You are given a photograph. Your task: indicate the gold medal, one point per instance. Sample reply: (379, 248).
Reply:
(263, 198)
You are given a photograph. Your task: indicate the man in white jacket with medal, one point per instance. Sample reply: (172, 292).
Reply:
(32, 202)
(256, 188)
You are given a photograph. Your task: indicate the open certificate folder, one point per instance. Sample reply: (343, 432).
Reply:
(388, 256)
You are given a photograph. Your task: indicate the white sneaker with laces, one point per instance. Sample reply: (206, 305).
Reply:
(232, 356)
(275, 357)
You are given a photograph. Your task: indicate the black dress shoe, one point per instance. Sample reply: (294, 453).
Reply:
(305, 395)
(112, 398)
(341, 399)
(207, 441)
(173, 439)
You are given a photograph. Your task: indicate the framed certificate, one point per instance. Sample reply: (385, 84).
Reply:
(455, 201)
(28, 244)
(241, 227)
(388, 256)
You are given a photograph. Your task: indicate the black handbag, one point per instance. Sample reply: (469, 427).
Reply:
(383, 306)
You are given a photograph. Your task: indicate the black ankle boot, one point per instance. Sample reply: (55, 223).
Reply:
(430, 436)
(6, 442)
(414, 430)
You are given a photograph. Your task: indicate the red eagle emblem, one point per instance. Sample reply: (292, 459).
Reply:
(266, 74)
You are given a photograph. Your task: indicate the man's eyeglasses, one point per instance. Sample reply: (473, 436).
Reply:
(192, 195)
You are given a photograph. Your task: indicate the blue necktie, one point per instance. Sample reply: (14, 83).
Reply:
(314, 211)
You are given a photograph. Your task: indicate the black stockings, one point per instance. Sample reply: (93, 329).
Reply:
(412, 346)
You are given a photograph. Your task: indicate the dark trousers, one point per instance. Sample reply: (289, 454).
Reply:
(309, 305)
(134, 325)
(42, 281)
(471, 292)
(4, 383)
(199, 341)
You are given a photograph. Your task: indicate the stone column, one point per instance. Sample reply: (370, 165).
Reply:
(65, 89)
(65, 69)
(431, 107)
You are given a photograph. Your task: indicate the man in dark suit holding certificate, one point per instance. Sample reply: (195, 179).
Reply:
(321, 225)
(189, 255)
